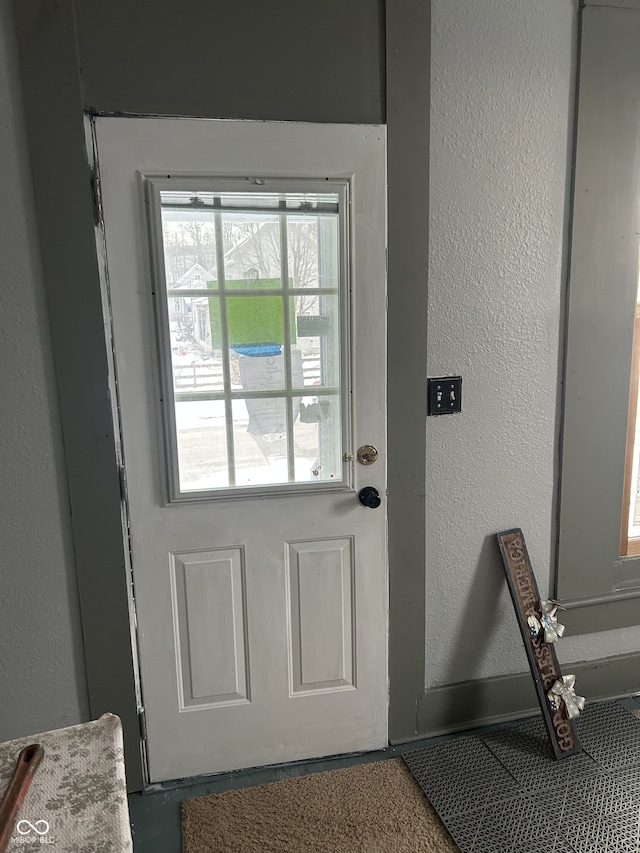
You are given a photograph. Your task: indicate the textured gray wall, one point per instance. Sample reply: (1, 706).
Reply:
(42, 682)
(501, 130)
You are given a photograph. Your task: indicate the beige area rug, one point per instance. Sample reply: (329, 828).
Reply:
(369, 808)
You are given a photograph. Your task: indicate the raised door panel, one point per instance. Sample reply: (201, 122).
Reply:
(322, 623)
(210, 627)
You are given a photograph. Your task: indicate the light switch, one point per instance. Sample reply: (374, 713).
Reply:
(444, 395)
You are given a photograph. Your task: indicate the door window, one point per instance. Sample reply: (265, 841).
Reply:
(251, 292)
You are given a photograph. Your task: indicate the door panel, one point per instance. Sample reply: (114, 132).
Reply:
(320, 580)
(261, 601)
(209, 616)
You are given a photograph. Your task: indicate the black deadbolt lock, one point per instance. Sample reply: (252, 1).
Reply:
(369, 497)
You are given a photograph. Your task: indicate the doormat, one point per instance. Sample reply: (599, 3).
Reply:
(369, 808)
(504, 790)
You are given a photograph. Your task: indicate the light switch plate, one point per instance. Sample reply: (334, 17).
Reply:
(444, 395)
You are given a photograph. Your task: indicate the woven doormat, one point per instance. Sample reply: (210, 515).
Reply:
(368, 808)
(504, 790)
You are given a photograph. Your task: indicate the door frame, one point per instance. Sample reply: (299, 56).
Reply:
(55, 108)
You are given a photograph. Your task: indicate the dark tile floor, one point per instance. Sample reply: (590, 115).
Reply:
(155, 815)
(502, 789)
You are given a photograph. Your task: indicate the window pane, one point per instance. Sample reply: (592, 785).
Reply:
(251, 250)
(267, 372)
(317, 439)
(196, 361)
(189, 244)
(311, 244)
(254, 325)
(260, 435)
(630, 540)
(634, 497)
(318, 337)
(202, 445)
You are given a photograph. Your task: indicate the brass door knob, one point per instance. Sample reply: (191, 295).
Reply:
(367, 454)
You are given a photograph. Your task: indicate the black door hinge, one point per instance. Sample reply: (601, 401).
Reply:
(122, 476)
(142, 719)
(96, 198)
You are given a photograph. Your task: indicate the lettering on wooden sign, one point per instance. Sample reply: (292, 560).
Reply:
(542, 657)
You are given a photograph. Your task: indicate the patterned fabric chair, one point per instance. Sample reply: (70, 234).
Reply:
(77, 800)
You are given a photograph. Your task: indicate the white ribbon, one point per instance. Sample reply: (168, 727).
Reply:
(553, 630)
(563, 691)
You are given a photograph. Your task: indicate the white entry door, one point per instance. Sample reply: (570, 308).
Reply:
(245, 264)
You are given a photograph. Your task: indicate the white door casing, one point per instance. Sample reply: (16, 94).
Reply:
(261, 619)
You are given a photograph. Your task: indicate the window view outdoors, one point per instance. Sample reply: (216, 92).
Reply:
(630, 536)
(254, 328)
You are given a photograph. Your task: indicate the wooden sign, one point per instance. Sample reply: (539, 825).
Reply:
(542, 657)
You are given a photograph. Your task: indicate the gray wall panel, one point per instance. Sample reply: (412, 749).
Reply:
(42, 676)
(466, 704)
(55, 125)
(602, 295)
(409, 77)
(296, 60)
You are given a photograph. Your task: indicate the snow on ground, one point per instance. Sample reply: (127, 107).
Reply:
(270, 473)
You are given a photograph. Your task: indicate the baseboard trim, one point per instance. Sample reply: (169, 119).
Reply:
(469, 704)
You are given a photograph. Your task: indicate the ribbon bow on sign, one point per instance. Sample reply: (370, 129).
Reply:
(553, 630)
(563, 691)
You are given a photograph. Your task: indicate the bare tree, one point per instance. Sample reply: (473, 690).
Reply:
(186, 244)
(250, 248)
(258, 248)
